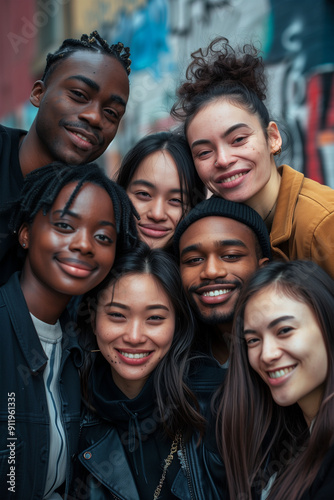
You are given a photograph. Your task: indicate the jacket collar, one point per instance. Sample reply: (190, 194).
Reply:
(22, 323)
(291, 185)
(25, 331)
(70, 343)
(98, 459)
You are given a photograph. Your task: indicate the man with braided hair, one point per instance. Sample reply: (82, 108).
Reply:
(81, 100)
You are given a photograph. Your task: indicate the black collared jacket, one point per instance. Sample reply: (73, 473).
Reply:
(108, 467)
(24, 417)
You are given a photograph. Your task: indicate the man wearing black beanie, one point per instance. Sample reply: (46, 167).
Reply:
(219, 244)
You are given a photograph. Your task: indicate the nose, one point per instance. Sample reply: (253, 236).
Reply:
(82, 242)
(270, 349)
(92, 114)
(224, 157)
(157, 209)
(135, 333)
(213, 268)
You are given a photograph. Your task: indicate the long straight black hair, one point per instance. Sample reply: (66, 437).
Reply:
(173, 396)
(174, 143)
(257, 437)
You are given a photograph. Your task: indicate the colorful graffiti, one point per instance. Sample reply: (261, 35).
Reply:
(302, 46)
(298, 44)
(296, 37)
(146, 31)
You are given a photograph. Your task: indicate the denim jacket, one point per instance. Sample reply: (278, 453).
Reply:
(24, 418)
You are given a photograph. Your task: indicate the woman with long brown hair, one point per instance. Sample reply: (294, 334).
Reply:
(276, 409)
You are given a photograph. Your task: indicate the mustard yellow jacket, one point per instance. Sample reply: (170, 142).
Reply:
(303, 225)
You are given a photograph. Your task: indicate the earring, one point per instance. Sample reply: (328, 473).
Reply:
(95, 350)
(278, 152)
(23, 244)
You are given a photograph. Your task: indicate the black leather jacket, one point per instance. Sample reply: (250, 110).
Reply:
(102, 469)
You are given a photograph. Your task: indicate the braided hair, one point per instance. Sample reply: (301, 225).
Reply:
(42, 186)
(93, 42)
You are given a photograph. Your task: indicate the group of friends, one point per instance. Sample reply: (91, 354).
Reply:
(168, 334)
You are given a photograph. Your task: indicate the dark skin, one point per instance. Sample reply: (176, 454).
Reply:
(67, 254)
(217, 256)
(79, 110)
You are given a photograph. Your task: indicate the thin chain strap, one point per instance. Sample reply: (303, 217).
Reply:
(168, 461)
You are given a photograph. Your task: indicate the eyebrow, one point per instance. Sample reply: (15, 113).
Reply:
(77, 216)
(94, 86)
(148, 308)
(88, 81)
(225, 134)
(143, 182)
(272, 323)
(218, 244)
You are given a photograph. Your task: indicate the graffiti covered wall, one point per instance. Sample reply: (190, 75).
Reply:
(297, 40)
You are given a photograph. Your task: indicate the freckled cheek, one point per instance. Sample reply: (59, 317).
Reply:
(205, 172)
(176, 216)
(104, 336)
(107, 350)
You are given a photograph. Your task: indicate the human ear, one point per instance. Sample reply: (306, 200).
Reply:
(23, 235)
(263, 262)
(37, 93)
(274, 137)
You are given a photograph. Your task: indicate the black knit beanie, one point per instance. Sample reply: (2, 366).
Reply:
(217, 206)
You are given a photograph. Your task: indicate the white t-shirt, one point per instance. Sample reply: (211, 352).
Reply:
(50, 337)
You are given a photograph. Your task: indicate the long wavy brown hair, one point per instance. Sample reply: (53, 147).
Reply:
(257, 437)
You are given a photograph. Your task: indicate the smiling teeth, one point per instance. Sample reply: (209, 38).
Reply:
(134, 356)
(82, 137)
(215, 293)
(233, 178)
(280, 373)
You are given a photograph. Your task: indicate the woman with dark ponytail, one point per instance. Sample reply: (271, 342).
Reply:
(233, 142)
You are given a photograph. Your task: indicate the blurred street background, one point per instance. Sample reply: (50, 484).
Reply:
(296, 37)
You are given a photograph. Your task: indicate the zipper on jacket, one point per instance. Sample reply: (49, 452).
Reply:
(185, 464)
(114, 496)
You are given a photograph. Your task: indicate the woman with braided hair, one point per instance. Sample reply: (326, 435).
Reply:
(233, 143)
(81, 99)
(69, 221)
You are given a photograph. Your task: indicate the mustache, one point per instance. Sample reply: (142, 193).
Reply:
(82, 126)
(218, 281)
